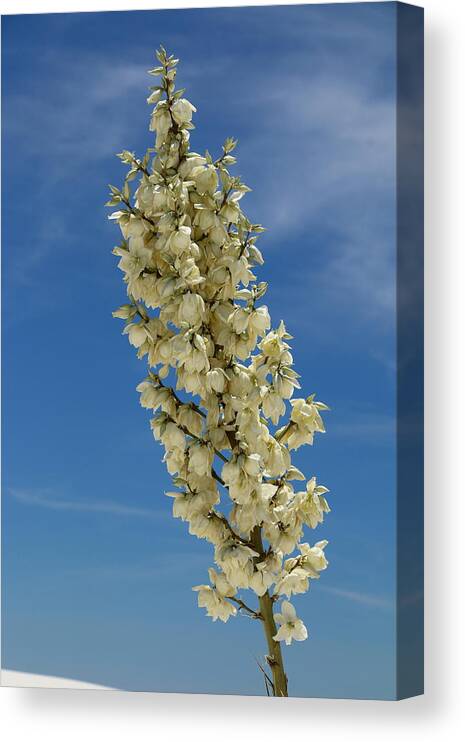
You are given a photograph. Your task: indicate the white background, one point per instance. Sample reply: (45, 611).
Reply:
(77, 715)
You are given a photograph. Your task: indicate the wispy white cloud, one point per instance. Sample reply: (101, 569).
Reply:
(186, 563)
(85, 112)
(317, 139)
(62, 137)
(375, 601)
(52, 501)
(325, 151)
(318, 144)
(369, 426)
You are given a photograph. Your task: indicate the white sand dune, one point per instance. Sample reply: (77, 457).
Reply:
(14, 679)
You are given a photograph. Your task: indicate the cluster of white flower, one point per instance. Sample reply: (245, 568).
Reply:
(219, 378)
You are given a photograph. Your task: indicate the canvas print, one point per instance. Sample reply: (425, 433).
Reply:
(212, 391)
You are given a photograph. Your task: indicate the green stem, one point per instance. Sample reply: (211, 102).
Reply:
(274, 657)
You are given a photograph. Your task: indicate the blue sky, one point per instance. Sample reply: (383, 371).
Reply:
(97, 575)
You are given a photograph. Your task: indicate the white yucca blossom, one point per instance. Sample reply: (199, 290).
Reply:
(219, 378)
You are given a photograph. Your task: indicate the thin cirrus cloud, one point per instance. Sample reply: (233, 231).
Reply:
(335, 175)
(83, 116)
(371, 427)
(188, 562)
(78, 124)
(317, 138)
(317, 141)
(49, 500)
(342, 145)
(318, 146)
(375, 601)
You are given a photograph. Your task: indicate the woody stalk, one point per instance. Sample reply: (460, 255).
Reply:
(220, 381)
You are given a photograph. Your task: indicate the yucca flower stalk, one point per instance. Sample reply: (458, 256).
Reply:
(220, 382)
